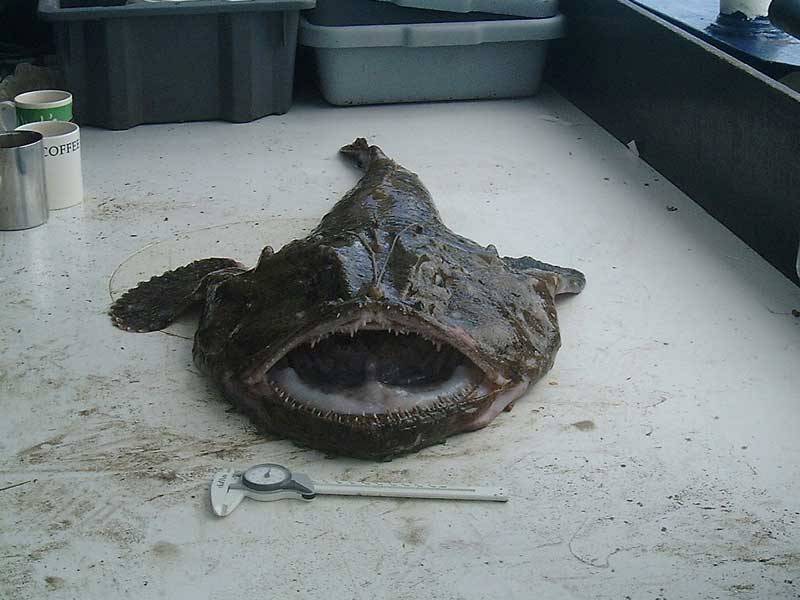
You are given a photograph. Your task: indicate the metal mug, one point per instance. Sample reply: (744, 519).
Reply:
(797, 263)
(23, 197)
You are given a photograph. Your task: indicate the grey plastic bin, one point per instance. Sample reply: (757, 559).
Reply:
(372, 52)
(163, 62)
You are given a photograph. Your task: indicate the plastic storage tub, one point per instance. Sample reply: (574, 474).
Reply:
(163, 62)
(371, 52)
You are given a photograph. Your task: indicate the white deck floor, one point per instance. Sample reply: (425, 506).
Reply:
(659, 458)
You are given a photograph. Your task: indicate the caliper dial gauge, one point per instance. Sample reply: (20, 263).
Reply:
(266, 477)
(264, 483)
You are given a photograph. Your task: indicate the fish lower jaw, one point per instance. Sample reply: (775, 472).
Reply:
(378, 402)
(503, 400)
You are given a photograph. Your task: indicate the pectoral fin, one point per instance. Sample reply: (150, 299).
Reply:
(567, 281)
(154, 304)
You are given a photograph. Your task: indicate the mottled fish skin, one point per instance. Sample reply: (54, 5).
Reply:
(382, 255)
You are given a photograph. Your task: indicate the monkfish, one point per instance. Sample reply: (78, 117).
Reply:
(378, 334)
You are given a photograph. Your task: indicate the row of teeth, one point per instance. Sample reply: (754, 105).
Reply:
(393, 417)
(355, 328)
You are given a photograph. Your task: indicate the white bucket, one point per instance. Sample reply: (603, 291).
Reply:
(749, 8)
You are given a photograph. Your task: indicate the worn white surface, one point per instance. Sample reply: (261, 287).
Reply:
(659, 458)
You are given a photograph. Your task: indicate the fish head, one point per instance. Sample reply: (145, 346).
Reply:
(381, 342)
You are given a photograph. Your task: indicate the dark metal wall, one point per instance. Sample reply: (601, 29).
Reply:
(22, 35)
(726, 135)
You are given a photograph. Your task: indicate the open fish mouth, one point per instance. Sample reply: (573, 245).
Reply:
(376, 372)
(372, 367)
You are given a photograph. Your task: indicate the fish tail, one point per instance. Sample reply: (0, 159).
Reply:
(362, 153)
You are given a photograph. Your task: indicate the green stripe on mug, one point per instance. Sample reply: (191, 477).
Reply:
(35, 115)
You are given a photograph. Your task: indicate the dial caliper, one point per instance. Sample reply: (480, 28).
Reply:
(269, 482)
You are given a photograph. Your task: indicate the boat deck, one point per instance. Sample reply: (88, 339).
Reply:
(659, 458)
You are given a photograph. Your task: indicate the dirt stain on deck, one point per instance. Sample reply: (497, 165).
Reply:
(584, 425)
(166, 550)
(54, 583)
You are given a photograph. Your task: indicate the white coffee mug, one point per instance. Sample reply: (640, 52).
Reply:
(62, 162)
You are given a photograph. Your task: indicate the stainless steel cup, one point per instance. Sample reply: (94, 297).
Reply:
(23, 198)
(797, 264)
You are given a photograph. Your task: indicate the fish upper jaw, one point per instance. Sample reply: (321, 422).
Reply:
(353, 317)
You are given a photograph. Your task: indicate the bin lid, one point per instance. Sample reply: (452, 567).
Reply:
(520, 8)
(85, 10)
